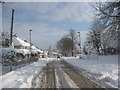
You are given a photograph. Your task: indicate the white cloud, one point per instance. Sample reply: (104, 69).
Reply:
(55, 11)
(43, 33)
(73, 11)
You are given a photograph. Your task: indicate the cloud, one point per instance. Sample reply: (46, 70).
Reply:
(77, 12)
(46, 20)
(43, 35)
(54, 11)
(74, 11)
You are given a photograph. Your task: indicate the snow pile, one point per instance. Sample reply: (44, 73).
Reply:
(22, 77)
(48, 59)
(104, 69)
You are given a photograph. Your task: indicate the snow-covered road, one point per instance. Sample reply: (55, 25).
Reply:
(103, 69)
(22, 77)
(60, 74)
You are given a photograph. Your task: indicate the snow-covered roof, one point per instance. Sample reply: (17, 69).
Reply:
(34, 48)
(55, 53)
(19, 42)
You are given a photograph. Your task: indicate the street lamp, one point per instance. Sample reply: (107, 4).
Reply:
(30, 38)
(79, 43)
(11, 30)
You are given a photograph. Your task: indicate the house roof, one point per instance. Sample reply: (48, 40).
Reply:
(34, 48)
(19, 42)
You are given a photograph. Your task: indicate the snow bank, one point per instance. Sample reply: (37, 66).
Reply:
(23, 51)
(104, 69)
(22, 77)
(48, 59)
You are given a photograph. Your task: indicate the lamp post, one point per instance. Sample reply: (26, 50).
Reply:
(11, 33)
(30, 43)
(79, 43)
(30, 38)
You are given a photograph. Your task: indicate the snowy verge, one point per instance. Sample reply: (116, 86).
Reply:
(104, 69)
(22, 77)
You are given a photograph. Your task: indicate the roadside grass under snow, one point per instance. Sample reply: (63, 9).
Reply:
(103, 69)
(22, 77)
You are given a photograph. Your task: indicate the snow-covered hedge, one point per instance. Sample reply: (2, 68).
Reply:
(16, 55)
(33, 52)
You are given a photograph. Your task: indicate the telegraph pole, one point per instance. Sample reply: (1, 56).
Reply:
(11, 33)
(72, 47)
(30, 38)
(80, 44)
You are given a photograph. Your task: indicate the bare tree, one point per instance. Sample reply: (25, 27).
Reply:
(73, 36)
(95, 36)
(108, 9)
(108, 16)
(65, 46)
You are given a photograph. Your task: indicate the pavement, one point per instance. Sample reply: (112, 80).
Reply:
(60, 74)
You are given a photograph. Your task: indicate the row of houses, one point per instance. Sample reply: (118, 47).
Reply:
(22, 46)
(19, 51)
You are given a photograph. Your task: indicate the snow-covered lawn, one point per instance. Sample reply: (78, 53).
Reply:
(22, 77)
(103, 70)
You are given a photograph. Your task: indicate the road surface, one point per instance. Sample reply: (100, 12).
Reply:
(60, 74)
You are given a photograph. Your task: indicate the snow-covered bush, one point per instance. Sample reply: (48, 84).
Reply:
(12, 55)
(34, 55)
(5, 39)
(8, 55)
